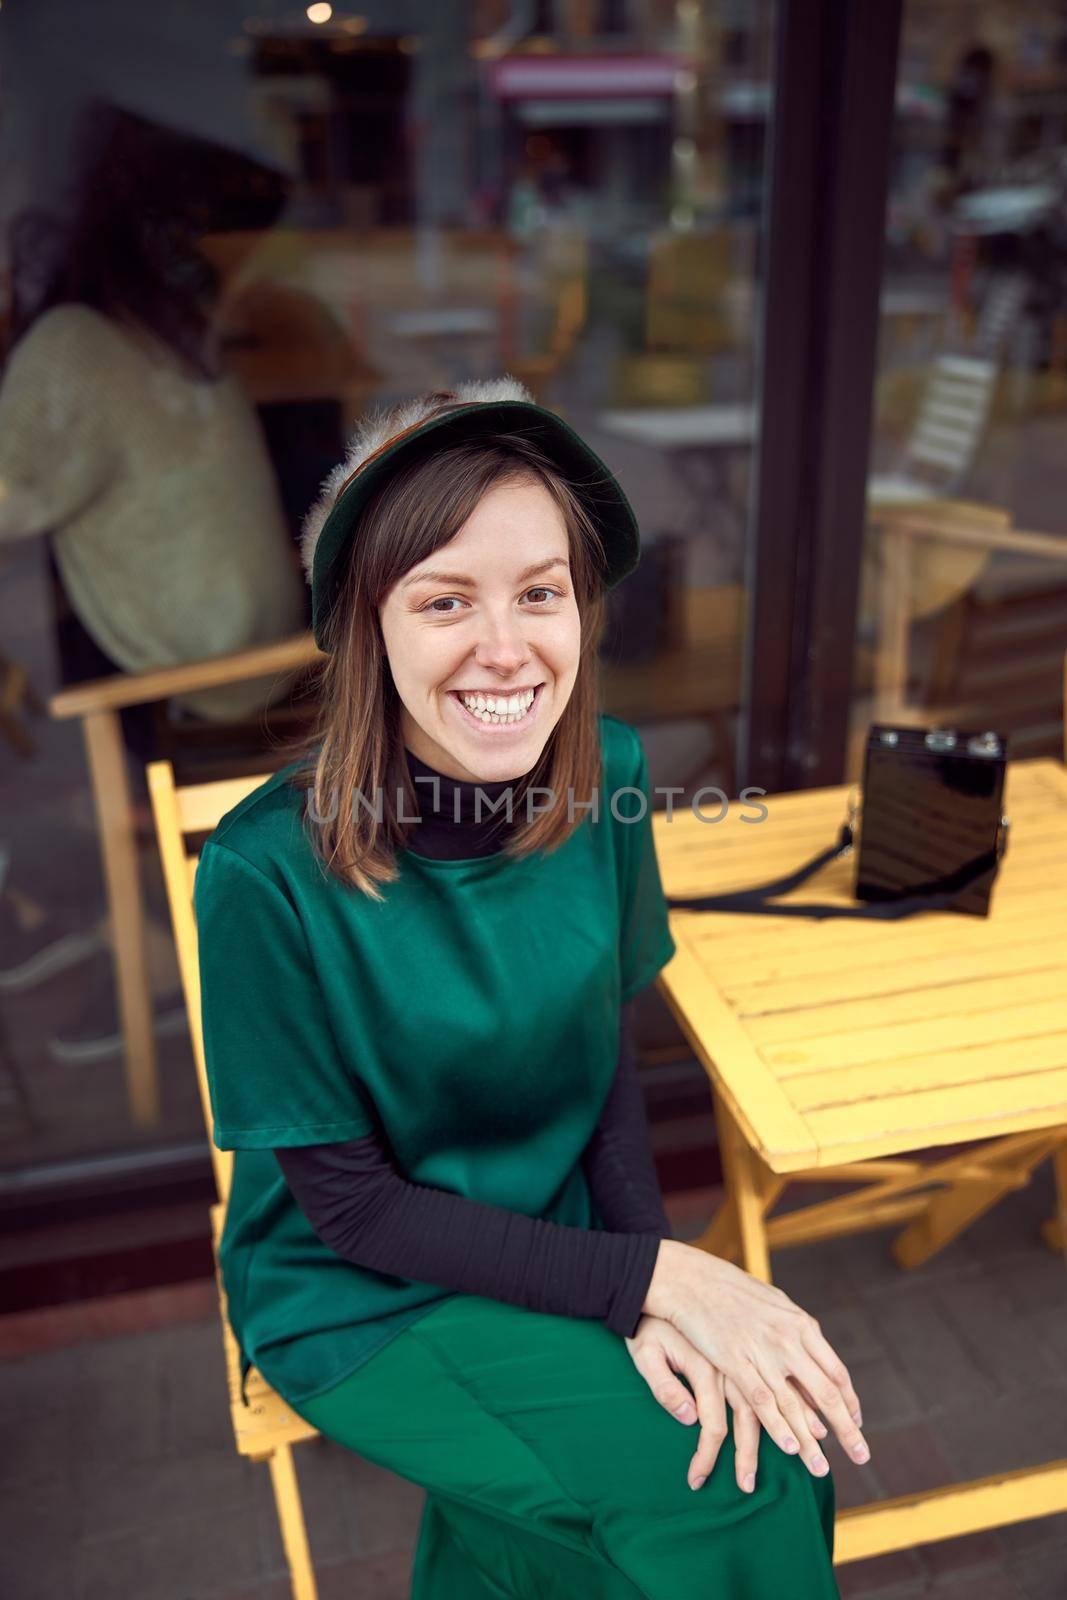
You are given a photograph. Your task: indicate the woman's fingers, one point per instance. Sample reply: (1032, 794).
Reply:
(711, 1405)
(746, 1438)
(660, 1365)
(824, 1354)
(815, 1422)
(761, 1398)
(796, 1414)
(831, 1397)
(667, 1388)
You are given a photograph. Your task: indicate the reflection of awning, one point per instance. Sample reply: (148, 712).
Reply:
(583, 77)
(601, 112)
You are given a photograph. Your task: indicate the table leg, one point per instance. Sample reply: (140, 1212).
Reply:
(1054, 1232)
(742, 1172)
(720, 1237)
(1006, 1166)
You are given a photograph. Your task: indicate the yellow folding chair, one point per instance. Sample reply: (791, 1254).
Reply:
(264, 1429)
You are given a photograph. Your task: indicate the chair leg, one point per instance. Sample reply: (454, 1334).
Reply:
(291, 1521)
(114, 816)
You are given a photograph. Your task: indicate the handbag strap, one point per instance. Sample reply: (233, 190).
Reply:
(938, 894)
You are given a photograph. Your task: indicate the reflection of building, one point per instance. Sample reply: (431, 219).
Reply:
(595, 130)
(625, 114)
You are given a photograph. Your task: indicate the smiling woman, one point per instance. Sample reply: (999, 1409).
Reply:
(445, 1245)
(391, 612)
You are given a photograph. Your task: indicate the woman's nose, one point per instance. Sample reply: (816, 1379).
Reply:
(502, 643)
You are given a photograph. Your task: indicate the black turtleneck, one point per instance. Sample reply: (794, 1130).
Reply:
(455, 823)
(371, 1215)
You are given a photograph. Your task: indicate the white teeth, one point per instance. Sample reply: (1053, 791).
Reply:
(499, 708)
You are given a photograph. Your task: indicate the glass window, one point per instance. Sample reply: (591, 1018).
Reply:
(963, 611)
(246, 229)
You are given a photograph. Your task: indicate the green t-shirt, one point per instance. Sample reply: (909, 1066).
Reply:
(470, 1019)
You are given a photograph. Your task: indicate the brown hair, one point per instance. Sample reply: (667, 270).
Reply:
(355, 744)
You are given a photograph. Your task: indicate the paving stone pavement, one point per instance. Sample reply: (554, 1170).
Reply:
(118, 1477)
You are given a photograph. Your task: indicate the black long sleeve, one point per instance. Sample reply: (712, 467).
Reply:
(360, 1206)
(618, 1159)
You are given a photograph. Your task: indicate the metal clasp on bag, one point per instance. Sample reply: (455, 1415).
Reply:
(1003, 829)
(854, 807)
(984, 744)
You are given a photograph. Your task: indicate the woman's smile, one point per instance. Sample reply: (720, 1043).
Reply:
(491, 713)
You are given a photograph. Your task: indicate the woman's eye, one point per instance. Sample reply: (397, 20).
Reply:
(447, 599)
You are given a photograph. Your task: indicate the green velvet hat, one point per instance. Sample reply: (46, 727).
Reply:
(398, 437)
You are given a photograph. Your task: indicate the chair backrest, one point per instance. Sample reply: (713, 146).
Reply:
(1000, 312)
(182, 813)
(952, 419)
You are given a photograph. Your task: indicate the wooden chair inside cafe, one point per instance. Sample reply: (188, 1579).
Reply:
(264, 1429)
(193, 746)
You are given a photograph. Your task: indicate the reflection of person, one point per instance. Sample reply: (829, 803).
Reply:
(967, 114)
(525, 207)
(445, 1244)
(121, 437)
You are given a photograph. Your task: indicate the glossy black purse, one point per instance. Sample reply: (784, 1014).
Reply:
(931, 830)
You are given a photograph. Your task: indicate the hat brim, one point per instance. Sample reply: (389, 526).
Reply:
(590, 479)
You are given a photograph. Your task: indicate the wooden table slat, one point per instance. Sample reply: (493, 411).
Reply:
(938, 1001)
(935, 936)
(893, 977)
(911, 1076)
(882, 1045)
(947, 1116)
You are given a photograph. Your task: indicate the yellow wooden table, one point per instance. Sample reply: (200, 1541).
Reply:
(837, 1050)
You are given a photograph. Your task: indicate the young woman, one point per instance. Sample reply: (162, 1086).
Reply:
(445, 1244)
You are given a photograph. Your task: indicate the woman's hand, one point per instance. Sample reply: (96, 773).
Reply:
(761, 1341)
(660, 1353)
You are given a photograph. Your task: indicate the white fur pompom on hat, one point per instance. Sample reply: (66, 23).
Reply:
(384, 423)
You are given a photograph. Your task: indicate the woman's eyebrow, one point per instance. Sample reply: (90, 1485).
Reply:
(469, 583)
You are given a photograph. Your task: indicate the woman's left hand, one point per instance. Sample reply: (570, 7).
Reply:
(663, 1355)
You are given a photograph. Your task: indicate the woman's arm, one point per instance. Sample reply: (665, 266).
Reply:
(364, 1210)
(618, 1159)
(55, 453)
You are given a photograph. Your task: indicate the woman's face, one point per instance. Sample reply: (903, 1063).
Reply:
(489, 615)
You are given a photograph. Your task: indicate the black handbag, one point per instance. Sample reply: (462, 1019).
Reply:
(931, 833)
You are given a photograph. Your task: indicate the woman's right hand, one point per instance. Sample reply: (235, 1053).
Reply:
(755, 1335)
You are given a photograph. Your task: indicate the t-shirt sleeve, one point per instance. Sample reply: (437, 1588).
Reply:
(275, 1074)
(645, 941)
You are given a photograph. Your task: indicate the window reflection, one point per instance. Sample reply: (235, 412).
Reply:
(964, 604)
(234, 230)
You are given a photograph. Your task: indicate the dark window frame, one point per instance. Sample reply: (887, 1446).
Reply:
(831, 137)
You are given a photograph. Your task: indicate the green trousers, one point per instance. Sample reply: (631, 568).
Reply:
(551, 1472)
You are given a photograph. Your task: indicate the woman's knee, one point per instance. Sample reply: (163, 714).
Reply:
(718, 1540)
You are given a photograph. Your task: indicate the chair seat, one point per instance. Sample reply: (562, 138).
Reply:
(266, 1421)
(895, 489)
